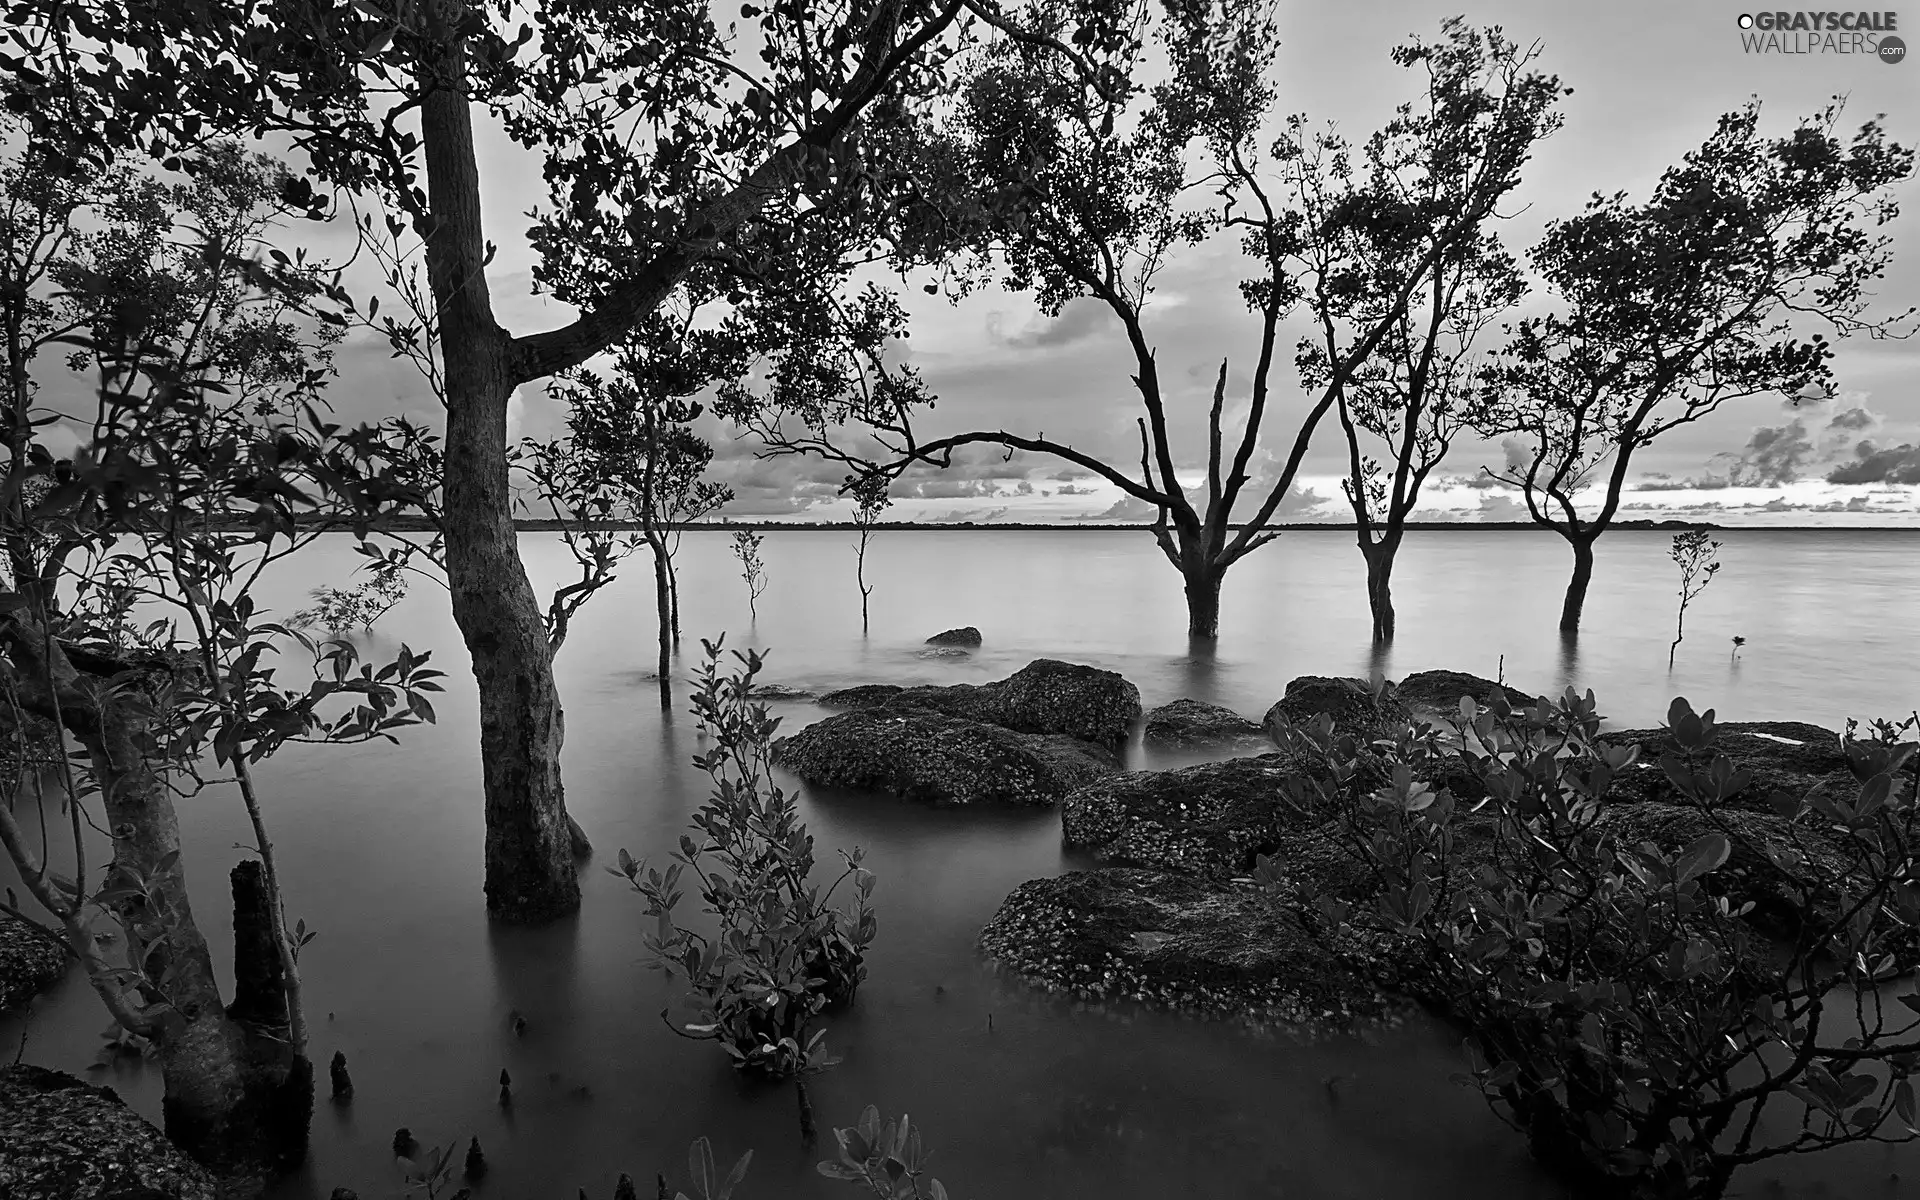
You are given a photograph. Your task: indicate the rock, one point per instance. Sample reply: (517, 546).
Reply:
(1434, 696)
(1211, 818)
(1177, 941)
(966, 635)
(943, 652)
(65, 1139)
(1045, 696)
(864, 695)
(30, 961)
(1185, 724)
(1780, 756)
(778, 691)
(1749, 873)
(1350, 702)
(925, 755)
(1050, 696)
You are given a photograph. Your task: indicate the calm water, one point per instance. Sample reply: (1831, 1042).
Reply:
(381, 850)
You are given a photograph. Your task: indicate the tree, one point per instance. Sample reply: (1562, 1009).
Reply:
(869, 501)
(746, 548)
(1693, 553)
(1670, 309)
(1075, 192)
(632, 434)
(664, 148)
(204, 443)
(1413, 393)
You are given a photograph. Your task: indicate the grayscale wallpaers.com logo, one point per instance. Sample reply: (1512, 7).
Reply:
(1823, 33)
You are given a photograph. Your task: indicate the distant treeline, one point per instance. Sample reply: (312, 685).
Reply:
(406, 524)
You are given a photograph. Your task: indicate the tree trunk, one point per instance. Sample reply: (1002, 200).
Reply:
(530, 874)
(237, 1099)
(1576, 601)
(1203, 602)
(663, 619)
(1380, 557)
(673, 599)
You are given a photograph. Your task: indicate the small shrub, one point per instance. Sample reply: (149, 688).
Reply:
(784, 952)
(1624, 1012)
(1693, 551)
(746, 548)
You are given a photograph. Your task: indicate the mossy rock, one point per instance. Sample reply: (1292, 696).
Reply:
(1810, 757)
(1045, 696)
(1355, 710)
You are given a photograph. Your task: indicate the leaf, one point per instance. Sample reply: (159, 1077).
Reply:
(1707, 854)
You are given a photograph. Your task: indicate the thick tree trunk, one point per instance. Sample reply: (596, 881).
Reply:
(1576, 601)
(1203, 602)
(1380, 558)
(530, 874)
(237, 1099)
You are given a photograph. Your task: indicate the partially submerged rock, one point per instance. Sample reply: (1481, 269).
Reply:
(778, 691)
(1434, 696)
(942, 652)
(1210, 818)
(65, 1139)
(1783, 756)
(1045, 696)
(1191, 724)
(30, 962)
(1178, 941)
(926, 755)
(966, 635)
(1350, 702)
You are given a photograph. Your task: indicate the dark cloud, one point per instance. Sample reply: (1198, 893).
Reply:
(1068, 489)
(1900, 464)
(1856, 418)
(1774, 455)
(1079, 320)
(1657, 482)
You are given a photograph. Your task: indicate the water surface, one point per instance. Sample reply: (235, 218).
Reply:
(381, 851)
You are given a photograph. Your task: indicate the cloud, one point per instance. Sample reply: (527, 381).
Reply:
(1655, 481)
(1079, 320)
(1068, 489)
(1501, 508)
(1901, 464)
(1774, 455)
(1855, 418)
(1127, 508)
(1478, 481)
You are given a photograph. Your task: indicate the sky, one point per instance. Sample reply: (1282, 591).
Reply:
(1649, 80)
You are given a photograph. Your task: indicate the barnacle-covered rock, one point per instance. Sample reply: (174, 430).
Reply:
(1045, 696)
(64, 1139)
(925, 755)
(1188, 724)
(30, 961)
(1174, 940)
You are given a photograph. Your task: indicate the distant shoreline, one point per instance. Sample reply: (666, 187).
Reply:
(551, 526)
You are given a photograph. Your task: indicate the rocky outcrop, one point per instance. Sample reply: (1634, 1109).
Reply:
(1213, 818)
(966, 635)
(1045, 696)
(30, 961)
(1434, 696)
(1174, 940)
(1186, 724)
(1785, 756)
(931, 756)
(1350, 702)
(943, 652)
(64, 1139)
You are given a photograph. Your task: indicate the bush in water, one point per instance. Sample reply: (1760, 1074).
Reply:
(784, 952)
(1628, 1014)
